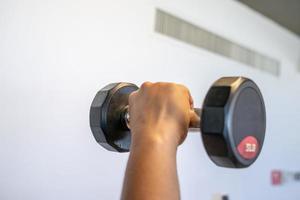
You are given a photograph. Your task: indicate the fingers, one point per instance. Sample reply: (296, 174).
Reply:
(187, 92)
(194, 119)
(158, 85)
(191, 100)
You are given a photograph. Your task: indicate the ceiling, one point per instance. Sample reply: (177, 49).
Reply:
(284, 12)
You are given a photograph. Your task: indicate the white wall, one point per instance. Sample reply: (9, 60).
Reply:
(55, 55)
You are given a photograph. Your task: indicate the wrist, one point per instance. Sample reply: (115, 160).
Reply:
(155, 137)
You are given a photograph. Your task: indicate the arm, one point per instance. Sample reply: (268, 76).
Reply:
(151, 172)
(159, 117)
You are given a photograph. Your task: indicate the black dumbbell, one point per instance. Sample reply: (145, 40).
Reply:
(233, 120)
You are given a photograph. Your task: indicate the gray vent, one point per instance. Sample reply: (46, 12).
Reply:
(177, 28)
(299, 65)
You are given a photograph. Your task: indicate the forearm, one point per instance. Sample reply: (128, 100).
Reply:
(151, 171)
(159, 120)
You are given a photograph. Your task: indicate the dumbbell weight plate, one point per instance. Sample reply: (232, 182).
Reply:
(233, 122)
(106, 116)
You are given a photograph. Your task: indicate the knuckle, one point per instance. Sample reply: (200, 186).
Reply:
(160, 84)
(146, 84)
(183, 88)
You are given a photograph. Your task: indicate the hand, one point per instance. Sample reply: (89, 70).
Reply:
(160, 112)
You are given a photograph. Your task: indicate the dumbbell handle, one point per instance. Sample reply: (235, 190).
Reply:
(194, 124)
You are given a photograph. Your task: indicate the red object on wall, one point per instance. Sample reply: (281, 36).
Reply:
(276, 176)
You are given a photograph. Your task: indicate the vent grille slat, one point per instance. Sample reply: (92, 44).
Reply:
(184, 31)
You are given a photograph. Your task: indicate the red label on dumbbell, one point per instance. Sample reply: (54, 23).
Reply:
(248, 147)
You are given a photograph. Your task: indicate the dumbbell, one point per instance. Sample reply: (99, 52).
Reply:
(232, 120)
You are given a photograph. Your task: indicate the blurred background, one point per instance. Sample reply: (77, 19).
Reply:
(55, 55)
